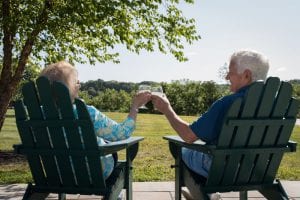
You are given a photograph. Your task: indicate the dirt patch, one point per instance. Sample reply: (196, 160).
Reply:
(7, 157)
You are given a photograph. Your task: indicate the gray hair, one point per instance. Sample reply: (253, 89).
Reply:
(253, 61)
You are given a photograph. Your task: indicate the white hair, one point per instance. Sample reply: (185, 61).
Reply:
(253, 61)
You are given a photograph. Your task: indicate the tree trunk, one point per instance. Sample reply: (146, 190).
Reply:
(8, 90)
(9, 79)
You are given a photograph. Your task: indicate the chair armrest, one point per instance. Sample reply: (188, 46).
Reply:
(102, 151)
(113, 147)
(292, 145)
(198, 145)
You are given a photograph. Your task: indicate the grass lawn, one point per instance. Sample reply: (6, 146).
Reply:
(152, 162)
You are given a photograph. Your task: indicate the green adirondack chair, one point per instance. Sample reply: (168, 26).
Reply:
(62, 150)
(254, 136)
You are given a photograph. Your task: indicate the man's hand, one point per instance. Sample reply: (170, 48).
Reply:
(162, 104)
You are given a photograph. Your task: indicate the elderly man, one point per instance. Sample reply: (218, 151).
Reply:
(245, 68)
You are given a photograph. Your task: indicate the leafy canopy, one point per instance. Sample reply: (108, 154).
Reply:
(84, 30)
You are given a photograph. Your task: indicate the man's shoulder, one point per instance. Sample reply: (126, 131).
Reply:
(230, 98)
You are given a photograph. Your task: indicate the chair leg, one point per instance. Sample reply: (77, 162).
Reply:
(177, 185)
(243, 195)
(178, 170)
(276, 192)
(28, 192)
(61, 196)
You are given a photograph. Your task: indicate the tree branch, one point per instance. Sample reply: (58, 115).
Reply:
(26, 50)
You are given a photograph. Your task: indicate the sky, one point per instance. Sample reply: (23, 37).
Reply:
(270, 27)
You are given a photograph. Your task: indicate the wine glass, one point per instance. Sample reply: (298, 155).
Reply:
(144, 88)
(157, 90)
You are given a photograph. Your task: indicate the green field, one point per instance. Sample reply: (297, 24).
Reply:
(153, 160)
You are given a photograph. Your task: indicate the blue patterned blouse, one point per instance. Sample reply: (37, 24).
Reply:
(108, 130)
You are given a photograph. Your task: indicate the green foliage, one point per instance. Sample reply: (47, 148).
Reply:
(31, 73)
(101, 85)
(187, 97)
(109, 100)
(190, 97)
(67, 29)
(296, 92)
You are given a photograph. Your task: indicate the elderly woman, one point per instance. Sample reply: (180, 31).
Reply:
(106, 129)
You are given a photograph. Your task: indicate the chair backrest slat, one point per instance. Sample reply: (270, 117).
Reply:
(264, 110)
(248, 111)
(28, 141)
(219, 162)
(73, 135)
(40, 133)
(227, 132)
(90, 143)
(287, 130)
(56, 133)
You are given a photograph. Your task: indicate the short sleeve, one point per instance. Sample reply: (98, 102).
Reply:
(207, 126)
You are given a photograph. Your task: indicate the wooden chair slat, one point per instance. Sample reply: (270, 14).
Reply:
(231, 169)
(90, 143)
(55, 132)
(268, 98)
(228, 131)
(273, 166)
(292, 115)
(218, 166)
(282, 100)
(27, 139)
(246, 168)
(260, 168)
(72, 133)
(40, 134)
(248, 111)
(264, 110)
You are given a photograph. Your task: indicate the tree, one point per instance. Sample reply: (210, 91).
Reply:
(82, 31)
(31, 73)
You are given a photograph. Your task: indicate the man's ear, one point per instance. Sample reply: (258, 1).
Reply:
(248, 75)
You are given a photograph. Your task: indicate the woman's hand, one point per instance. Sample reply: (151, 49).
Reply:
(140, 99)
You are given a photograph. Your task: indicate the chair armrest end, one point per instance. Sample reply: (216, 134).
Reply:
(292, 146)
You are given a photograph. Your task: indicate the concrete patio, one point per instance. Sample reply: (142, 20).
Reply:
(146, 191)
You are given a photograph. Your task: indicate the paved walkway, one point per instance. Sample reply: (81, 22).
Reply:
(146, 191)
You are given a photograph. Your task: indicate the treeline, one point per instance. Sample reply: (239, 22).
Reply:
(187, 97)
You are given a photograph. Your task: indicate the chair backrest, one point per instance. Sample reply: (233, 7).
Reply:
(254, 135)
(60, 144)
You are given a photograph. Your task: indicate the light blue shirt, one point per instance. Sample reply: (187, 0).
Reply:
(108, 130)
